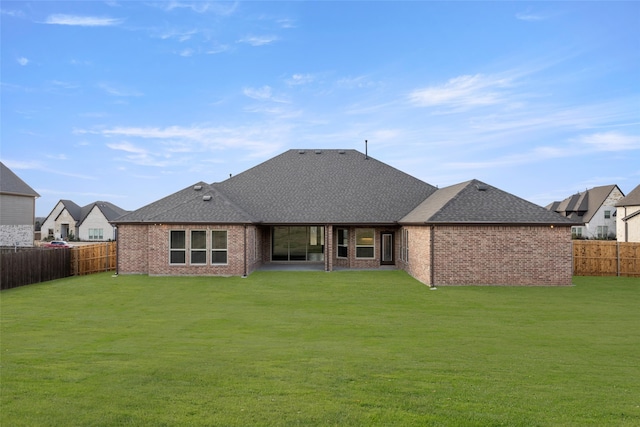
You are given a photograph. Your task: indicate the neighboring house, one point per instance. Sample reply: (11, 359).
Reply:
(92, 222)
(593, 212)
(628, 217)
(340, 209)
(17, 209)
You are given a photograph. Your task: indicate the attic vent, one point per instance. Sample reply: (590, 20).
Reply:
(301, 152)
(206, 198)
(482, 187)
(341, 151)
(197, 187)
(318, 151)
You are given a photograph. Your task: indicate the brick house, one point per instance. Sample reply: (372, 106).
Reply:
(341, 209)
(89, 223)
(17, 209)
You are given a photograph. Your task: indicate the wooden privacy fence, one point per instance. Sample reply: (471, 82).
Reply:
(33, 265)
(93, 258)
(606, 258)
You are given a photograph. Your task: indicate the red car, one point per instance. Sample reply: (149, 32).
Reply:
(58, 244)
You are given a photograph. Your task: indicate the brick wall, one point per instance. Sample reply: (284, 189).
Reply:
(144, 249)
(133, 244)
(419, 253)
(351, 261)
(502, 255)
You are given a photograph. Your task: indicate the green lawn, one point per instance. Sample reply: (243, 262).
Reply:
(315, 348)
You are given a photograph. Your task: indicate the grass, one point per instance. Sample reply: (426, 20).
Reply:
(315, 348)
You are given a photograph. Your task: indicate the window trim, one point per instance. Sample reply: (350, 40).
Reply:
(193, 250)
(219, 250)
(177, 250)
(361, 246)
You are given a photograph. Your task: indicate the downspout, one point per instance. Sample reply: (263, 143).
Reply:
(432, 257)
(117, 251)
(244, 276)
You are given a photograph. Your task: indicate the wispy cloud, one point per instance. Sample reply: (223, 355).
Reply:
(119, 91)
(22, 61)
(36, 165)
(610, 141)
(258, 40)
(82, 21)
(528, 16)
(463, 92)
(300, 79)
(261, 94)
(216, 7)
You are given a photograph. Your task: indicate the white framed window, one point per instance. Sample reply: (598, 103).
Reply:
(177, 247)
(603, 231)
(607, 214)
(365, 243)
(219, 247)
(343, 243)
(576, 232)
(198, 247)
(96, 234)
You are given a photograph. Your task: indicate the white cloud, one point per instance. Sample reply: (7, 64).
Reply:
(261, 94)
(610, 141)
(463, 92)
(82, 21)
(300, 79)
(258, 40)
(528, 16)
(115, 91)
(219, 8)
(22, 60)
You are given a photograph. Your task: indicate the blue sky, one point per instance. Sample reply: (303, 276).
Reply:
(130, 101)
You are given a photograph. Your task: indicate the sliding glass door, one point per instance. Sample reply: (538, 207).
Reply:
(297, 243)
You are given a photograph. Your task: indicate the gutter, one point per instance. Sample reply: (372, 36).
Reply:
(432, 257)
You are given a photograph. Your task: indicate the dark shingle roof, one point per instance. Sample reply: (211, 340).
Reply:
(74, 210)
(298, 186)
(581, 207)
(109, 210)
(200, 202)
(317, 186)
(632, 199)
(474, 202)
(10, 183)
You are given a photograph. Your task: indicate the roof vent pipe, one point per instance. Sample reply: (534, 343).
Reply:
(366, 149)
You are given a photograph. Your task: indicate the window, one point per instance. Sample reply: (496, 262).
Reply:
(219, 247)
(404, 245)
(607, 214)
(343, 243)
(365, 243)
(603, 231)
(50, 232)
(576, 232)
(178, 247)
(96, 234)
(198, 247)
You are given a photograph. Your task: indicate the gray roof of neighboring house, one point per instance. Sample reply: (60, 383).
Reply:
(10, 183)
(74, 210)
(109, 210)
(632, 199)
(474, 202)
(581, 207)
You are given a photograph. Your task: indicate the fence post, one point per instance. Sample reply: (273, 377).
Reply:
(618, 258)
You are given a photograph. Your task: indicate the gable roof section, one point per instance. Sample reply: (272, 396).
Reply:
(474, 202)
(109, 210)
(199, 203)
(632, 199)
(581, 207)
(10, 183)
(325, 186)
(74, 210)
